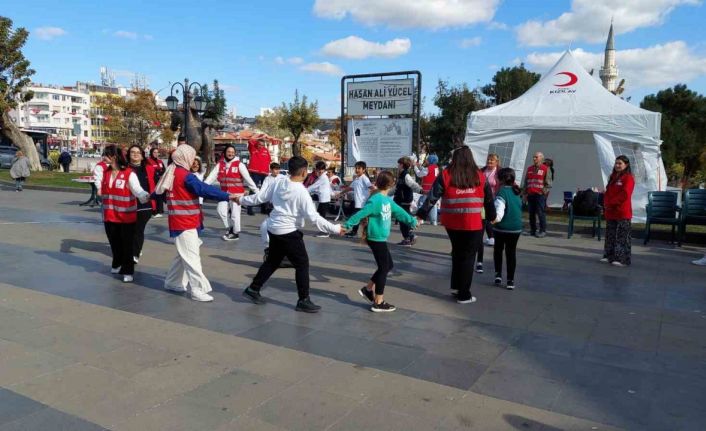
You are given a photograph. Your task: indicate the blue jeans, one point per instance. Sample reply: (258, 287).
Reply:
(536, 204)
(432, 211)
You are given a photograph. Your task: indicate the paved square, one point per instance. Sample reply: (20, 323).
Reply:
(578, 345)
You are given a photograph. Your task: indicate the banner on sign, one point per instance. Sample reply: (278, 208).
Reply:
(387, 97)
(379, 142)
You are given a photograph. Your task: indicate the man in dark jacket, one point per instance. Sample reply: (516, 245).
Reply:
(65, 159)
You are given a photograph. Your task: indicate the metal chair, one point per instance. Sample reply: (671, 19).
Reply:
(596, 219)
(568, 198)
(662, 208)
(693, 210)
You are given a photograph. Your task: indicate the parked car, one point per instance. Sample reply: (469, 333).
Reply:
(7, 153)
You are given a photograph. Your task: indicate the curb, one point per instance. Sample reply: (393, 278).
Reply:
(48, 188)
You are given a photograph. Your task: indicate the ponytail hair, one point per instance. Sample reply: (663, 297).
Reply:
(506, 176)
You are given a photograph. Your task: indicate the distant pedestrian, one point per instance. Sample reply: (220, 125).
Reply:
(159, 168)
(120, 191)
(19, 171)
(464, 193)
(259, 165)
(618, 213)
(361, 187)
(507, 226)
(185, 220)
(404, 195)
(145, 174)
(428, 173)
(536, 185)
(65, 159)
(379, 210)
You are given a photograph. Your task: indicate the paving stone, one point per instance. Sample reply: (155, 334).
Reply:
(382, 356)
(180, 414)
(14, 406)
(550, 344)
(518, 387)
(130, 359)
(300, 409)
(369, 417)
(287, 365)
(26, 363)
(445, 371)
(280, 334)
(50, 419)
(545, 365)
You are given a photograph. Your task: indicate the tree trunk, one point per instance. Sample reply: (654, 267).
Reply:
(20, 140)
(297, 149)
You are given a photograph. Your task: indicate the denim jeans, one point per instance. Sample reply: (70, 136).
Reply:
(536, 204)
(433, 211)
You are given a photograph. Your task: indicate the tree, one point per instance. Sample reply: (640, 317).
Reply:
(299, 117)
(510, 83)
(135, 119)
(447, 129)
(683, 128)
(217, 100)
(14, 77)
(270, 123)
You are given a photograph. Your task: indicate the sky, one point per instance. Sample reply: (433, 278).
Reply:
(261, 52)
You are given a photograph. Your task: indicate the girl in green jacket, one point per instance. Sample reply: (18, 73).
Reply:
(380, 209)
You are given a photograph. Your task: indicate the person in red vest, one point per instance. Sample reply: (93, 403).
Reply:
(259, 165)
(464, 193)
(185, 221)
(233, 176)
(617, 202)
(428, 173)
(536, 186)
(120, 189)
(145, 173)
(159, 168)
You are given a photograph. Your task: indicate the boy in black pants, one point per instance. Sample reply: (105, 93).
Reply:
(292, 206)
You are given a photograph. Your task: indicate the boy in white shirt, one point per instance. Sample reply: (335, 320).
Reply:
(321, 188)
(292, 206)
(361, 187)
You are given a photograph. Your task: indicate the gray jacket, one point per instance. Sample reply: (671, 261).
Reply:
(20, 167)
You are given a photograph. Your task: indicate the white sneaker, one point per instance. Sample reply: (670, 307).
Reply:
(127, 278)
(467, 301)
(479, 268)
(175, 288)
(158, 216)
(115, 270)
(490, 241)
(323, 235)
(700, 262)
(604, 260)
(136, 259)
(201, 297)
(616, 263)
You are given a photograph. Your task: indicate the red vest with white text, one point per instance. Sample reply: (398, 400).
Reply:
(229, 178)
(183, 207)
(429, 178)
(119, 204)
(461, 208)
(535, 179)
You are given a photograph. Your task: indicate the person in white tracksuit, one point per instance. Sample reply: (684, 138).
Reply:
(233, 177)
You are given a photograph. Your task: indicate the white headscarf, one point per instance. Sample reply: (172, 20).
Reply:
(183, 156)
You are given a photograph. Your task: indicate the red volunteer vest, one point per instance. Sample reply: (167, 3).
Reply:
(461, 208)
(103, 165)
(535, 180)
(156, 164)
(119, 204)
(429, 178)
(230, 179)
(183, 206)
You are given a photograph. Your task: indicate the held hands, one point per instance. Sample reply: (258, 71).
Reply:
(235, 197)
(341, 230)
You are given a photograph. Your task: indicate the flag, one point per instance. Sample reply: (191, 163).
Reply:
(355, 150)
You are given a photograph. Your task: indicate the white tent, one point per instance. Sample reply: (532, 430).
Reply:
(580, 125)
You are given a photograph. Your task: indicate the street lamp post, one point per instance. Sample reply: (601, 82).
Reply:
(173, 102)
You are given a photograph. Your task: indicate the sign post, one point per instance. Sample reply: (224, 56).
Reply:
(394, 103)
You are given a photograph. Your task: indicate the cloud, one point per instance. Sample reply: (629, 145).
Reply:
(431, 14)
(295, 60)
(354, 47)
(325, 67)
(148, 37)
(279, 60)
(49, 33)
(677, 64)
(588, 20)
(471, 42)
(126, 34)
(495, 25)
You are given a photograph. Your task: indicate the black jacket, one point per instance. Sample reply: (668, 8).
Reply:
(403, 193)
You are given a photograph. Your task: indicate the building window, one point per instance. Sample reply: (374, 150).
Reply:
(637, 162)
(504, 152)
(85, 133)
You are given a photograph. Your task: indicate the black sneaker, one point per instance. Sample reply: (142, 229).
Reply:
(307, 306)
(382, 307)
(367, 294)
(479, 267)
(498, 280)
(254, 296)
(350, 235)
(510, 285)
(230, 236)
(413, 240)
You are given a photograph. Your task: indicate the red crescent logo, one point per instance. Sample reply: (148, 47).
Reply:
(573, 79)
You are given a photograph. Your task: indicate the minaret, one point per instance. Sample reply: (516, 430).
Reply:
(609, 71)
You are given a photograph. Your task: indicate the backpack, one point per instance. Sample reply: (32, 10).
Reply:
(586, 203)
